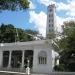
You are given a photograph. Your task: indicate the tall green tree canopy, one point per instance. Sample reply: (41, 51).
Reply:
(13, 4)
(66, 46)
(68, 36)
(8, 33)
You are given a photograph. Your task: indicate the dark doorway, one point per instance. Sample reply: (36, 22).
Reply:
(16, 59)
(28, 56)
(5, 58)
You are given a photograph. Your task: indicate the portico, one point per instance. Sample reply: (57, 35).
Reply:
(15, 55)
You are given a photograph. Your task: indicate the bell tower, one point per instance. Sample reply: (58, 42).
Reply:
(50, 28)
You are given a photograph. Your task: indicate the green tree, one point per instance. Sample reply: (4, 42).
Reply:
(13, 4)
(51, 35)
(23, 36)
(66, 45)
(32, 32)
(7, 33)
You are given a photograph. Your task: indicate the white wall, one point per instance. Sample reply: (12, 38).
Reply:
(37, 46)
(42, 68)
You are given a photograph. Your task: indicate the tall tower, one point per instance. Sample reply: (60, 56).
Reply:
(50, 28)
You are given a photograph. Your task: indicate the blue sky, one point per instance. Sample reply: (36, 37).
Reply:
(36, 16)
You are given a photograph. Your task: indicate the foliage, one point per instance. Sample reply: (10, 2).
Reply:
(8, 33)
(51, 35)
(71, 66)
(66, 44)
(31, 32)
(22, 36)
(60, 67)
(13, 4)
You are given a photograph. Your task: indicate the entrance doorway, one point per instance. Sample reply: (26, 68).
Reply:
(5, 58)
(28, 56)
(16, 59)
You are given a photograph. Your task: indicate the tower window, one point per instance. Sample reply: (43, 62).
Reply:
(52, 20)
(52, 25)
(50, 15)
(49, 30)
(52, 29)
(49, 20)
(50, 10)
(49, 25)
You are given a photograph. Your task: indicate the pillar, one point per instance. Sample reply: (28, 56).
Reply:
(1, 58)
(9, 63)
(22, 65)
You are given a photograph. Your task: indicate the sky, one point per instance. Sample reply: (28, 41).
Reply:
(35, 17)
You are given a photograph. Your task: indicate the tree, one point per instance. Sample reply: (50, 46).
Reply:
(28, 31)
(66, 45)
(51, 35)
(13, 4)
(23, 36)
(8, 33)
(6, 30)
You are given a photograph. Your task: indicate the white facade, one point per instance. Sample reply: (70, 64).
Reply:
(41, 50)
(50, 19)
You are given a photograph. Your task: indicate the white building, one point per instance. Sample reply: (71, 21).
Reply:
(14, 56)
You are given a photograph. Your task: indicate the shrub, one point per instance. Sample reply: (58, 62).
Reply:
(59, 67)
(71, 66)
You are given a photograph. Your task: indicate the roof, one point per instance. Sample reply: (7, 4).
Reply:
(28, 43)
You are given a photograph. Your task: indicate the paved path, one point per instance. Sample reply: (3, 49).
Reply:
(20, 73)
(17, 73)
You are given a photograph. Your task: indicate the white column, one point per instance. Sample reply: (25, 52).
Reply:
(1, 58)
(9, 63)
(22, 65)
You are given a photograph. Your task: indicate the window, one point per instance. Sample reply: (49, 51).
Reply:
(52, 20)
(49, 25)
(49, 20)
(50, 10)
(50, 15)
(52, 25)
(49, 30)
(52, 29)
(42, 57)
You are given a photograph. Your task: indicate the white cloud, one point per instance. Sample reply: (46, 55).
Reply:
(60, 21)
(61, 6)
(69, 7)
(46, 2)
(31, 5)
(39, 19)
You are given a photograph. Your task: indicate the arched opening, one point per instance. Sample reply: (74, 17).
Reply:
(42, 57)
(28, 56)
